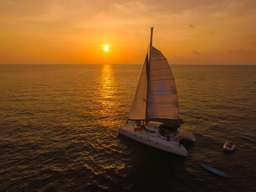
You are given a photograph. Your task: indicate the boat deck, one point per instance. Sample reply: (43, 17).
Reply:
(154, 139)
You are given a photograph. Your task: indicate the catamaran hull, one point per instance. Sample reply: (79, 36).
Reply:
(143, 137)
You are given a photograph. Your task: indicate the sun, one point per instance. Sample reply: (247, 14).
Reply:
(106, 47)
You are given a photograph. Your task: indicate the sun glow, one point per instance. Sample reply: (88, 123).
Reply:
(106, 47)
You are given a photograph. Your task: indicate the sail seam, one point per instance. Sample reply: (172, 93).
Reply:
(160, 79)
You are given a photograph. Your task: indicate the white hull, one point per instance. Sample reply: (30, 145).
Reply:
(154, 140)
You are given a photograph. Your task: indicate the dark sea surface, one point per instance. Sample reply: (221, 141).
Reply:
(59, 130)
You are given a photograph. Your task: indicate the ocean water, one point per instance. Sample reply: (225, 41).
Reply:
(59, 130)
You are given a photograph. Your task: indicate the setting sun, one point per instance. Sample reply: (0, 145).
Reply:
(106, 47)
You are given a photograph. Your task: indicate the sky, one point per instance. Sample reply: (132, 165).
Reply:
(72, 32)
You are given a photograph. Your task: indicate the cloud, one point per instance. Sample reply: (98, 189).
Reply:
(195, 52)
(163, 12)
(241, 51)
(252, 43)
(191, 26)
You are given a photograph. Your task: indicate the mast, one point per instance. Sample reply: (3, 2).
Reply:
(156, 101)
(148, 73)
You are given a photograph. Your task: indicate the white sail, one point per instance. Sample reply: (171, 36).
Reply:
(162, 98)
(138, 109)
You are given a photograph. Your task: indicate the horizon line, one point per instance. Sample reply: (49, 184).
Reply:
(119, 64)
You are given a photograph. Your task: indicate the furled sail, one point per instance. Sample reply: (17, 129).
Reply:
(162, 98)
(138, 109)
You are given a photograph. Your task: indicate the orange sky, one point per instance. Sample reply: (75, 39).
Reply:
(187, 31)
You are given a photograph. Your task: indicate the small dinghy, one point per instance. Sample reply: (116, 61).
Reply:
(229, 147)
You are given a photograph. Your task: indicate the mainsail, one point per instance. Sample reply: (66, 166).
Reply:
(162, 97)
(155, 97)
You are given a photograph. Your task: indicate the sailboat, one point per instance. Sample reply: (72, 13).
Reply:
(154, 115)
